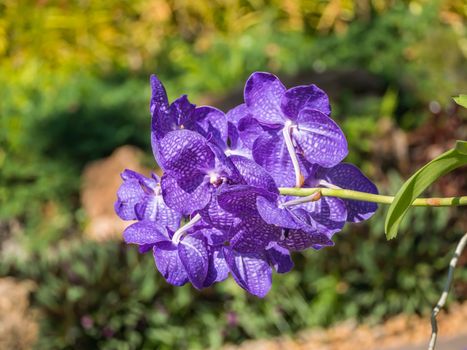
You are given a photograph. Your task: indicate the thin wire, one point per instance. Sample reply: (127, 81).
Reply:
(447, 286)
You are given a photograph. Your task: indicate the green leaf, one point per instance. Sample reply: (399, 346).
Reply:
(461, 147)
(421, 180)
(461, 100)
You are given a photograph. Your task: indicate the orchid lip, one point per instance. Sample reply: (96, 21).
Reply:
(179, 233)
(324, 183)
(311, 198)
(287, 133)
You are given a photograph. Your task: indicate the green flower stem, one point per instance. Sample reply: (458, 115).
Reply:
(370, 197)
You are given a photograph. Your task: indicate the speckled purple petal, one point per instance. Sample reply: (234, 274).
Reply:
(193, 253)
(146, 183)
(181, 110)
(253, 174)
(234, 138)
(214, 237)
(182, 201)
(249, 129)
(212, 121)
(327, 214)
(274, 215)
(350, 177)
(158, 95)
(128, 195)
(184, 153)
(320, 138)
(253, 234)
(263, 93)
(235, 144)
(145, 232)
(301, 97)
(270, 152)
(155, 209)
(216, 216)
(251, 271)
(297, 240)
(240, 200)
(169, 265)
(279, 258)
(237, 113)
(218, 269)
(135, 189)
(162, 123)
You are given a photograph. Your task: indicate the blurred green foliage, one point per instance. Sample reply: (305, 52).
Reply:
(73, 82)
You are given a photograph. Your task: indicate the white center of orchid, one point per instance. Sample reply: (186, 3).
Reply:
(158, 190)
(215, 179)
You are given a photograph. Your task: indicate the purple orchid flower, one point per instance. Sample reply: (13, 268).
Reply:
(222, 172)
(140, 198)
(182, 259)
(296, 128)
(200, 256)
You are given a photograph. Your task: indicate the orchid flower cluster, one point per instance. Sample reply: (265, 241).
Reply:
(217, 208)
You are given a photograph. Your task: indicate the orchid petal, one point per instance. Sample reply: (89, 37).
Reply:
(193, 253)
(263, 92)
(235, 114)
(328, 214)
(210, 120)
(218, 269)
(254, 234)
(274, 215)
(185, 152)
(216, 216)
(301, 97)
(253, 174)
(155, 209)
(181, 110)
(169, 265)
(350, 177)
(319, 138)
(159, 99)
(240, 200)
(184, 202)
(279, 258)
(145, 232)
(249, 129)
(297, 240)
(251, 271)
(270, 152)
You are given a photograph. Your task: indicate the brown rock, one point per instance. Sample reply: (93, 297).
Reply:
(18, 327)
(100, 182)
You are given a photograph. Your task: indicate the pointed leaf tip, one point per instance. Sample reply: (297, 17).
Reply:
(461, 100)
(461, 146)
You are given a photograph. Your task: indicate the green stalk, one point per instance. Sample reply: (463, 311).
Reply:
(370, 197)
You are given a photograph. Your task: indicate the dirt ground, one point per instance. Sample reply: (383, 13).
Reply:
(401, 332)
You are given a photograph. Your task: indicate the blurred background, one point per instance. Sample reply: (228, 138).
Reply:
(74, 112)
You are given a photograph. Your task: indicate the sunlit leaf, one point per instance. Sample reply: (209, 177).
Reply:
(423, 178)
(461, 100)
